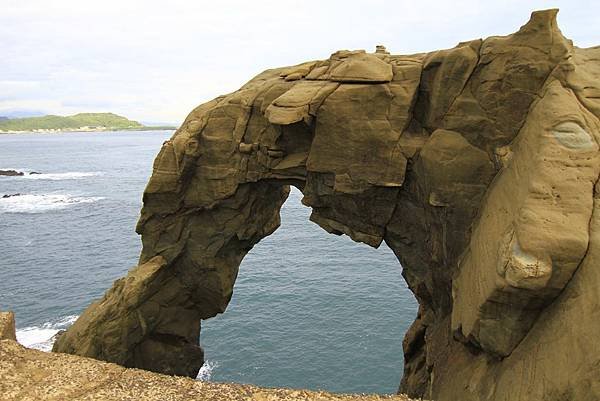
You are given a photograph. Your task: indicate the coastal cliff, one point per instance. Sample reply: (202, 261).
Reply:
(477, 165)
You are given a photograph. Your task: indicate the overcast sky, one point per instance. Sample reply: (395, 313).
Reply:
(156, 60)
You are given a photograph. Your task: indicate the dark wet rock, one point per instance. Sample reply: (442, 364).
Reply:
(11, 173)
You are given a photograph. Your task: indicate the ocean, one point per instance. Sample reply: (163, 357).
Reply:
(310, 309)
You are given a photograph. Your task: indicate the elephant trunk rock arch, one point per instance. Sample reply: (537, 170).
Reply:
(477, 165)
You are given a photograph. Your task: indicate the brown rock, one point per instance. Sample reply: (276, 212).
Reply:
(477, 165)
(295, 104)
(361, 67)
(7, 326)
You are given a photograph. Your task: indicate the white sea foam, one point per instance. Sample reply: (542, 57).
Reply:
(206, 371)
(73, 175)
(29, 203)
(42, 337)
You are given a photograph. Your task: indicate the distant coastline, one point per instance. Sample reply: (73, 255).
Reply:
(82, 122)
(89, 130)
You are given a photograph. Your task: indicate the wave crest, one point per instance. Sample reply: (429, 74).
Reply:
(74, 175)
(42, 337)
(206, 371)
(42, 203)
(71, 175)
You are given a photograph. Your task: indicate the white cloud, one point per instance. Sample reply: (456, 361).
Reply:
(156, 60)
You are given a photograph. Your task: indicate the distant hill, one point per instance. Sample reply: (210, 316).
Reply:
(77, 122)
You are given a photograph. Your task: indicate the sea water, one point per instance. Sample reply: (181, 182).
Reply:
(309, 310)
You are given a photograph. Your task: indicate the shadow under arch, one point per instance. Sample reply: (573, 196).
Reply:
(312, 310)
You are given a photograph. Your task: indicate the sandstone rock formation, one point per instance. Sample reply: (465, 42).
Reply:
(477, 165)
(31, 375)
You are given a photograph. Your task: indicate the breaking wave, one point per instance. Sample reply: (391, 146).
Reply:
(74, 175)
(28, 203)
(206, 371)
(42, 337)
(71, 175)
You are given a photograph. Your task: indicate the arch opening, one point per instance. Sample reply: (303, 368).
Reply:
(312, 310)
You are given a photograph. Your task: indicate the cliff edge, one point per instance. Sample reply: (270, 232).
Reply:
(31, 375)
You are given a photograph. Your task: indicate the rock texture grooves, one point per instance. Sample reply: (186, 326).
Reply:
(477, 165)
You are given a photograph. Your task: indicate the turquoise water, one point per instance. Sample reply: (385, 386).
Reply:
(309, 310)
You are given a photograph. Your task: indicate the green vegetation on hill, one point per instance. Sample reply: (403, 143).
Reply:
(91, 121)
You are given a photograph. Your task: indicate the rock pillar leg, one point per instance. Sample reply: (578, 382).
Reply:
(151, 318)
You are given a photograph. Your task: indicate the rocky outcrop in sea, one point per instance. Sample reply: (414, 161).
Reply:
(11, 173)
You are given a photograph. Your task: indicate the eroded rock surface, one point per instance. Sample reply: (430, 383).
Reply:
(477, 165)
